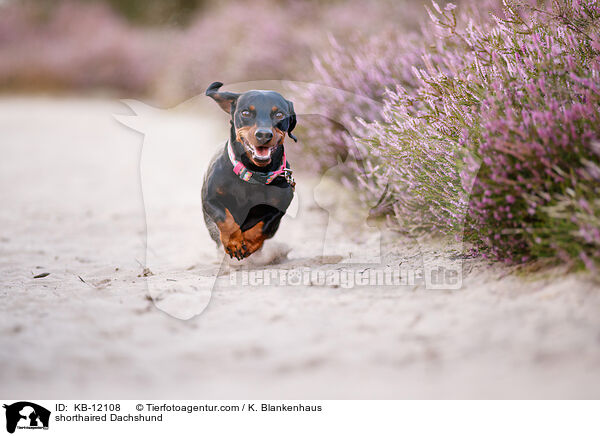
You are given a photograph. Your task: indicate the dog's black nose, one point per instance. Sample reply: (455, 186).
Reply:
(263, 135)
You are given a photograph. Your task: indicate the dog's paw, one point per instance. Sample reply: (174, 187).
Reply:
(254, 238)
(235, 246)
(253, 245)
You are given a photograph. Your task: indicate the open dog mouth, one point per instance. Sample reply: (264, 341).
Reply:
(260, 153)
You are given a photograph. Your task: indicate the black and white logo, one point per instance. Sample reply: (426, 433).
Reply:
(26, 415)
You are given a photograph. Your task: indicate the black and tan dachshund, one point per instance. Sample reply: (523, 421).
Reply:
(248, 186)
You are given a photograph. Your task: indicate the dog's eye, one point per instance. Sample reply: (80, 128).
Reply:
(279, 115)
(245, 113)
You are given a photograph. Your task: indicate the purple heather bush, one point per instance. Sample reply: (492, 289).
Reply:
(365, 72)
(572, 218)
(518, 92)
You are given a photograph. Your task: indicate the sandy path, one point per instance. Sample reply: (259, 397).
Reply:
(72, 207)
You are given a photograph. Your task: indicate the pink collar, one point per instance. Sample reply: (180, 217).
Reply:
(257, 177)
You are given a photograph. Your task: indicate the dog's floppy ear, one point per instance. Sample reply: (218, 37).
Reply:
(226, 100)
(291, 121)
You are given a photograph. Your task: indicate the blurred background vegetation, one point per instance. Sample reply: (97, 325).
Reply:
(142, 12)
(170, 50)
(157, 12)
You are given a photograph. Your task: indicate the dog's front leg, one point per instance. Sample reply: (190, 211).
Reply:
(254, 238)
(232, 237)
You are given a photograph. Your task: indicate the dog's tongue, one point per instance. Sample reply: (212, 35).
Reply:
(263, 152)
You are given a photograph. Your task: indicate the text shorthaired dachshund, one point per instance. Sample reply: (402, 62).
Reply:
(248, 185)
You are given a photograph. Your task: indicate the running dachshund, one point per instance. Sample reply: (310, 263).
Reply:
(249, 186)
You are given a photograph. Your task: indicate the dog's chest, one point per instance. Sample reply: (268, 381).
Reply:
(248, 195)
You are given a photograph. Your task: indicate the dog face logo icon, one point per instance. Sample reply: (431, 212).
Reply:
(26, 415)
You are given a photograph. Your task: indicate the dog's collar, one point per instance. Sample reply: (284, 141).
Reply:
(257, 177)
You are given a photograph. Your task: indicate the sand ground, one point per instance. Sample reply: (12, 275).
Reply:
(72, 206)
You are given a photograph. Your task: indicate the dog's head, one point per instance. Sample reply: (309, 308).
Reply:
(260, 119)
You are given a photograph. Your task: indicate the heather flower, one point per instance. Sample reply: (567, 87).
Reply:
(518, 91)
